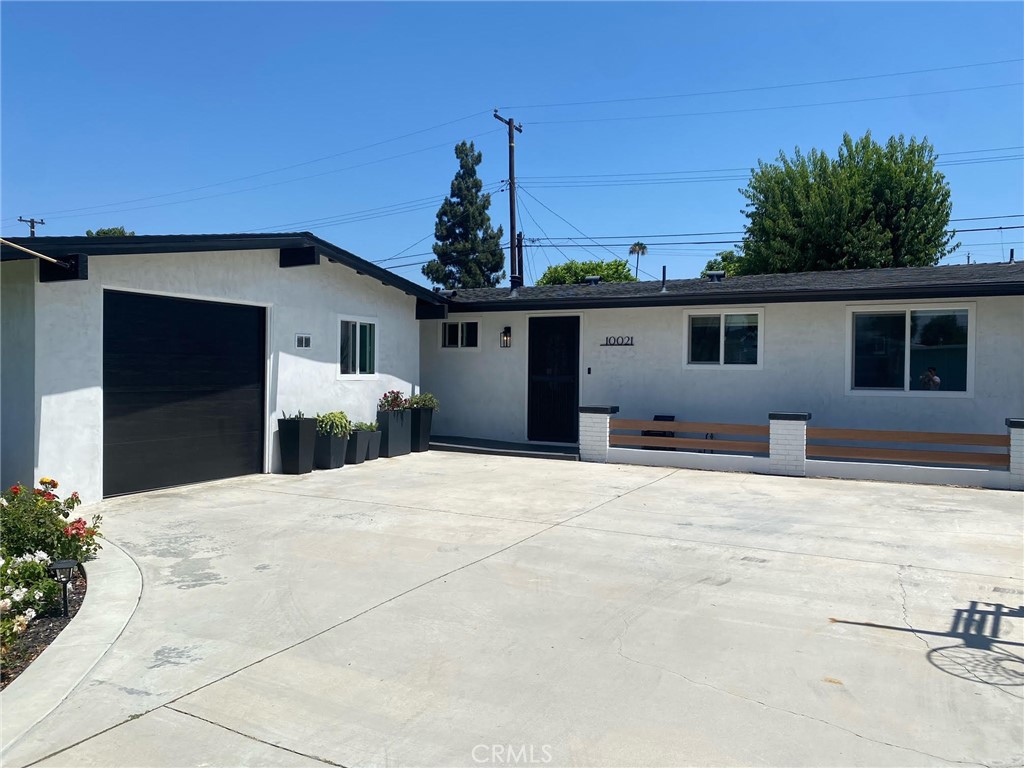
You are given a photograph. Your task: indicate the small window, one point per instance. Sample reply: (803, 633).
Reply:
(358, 350)
(302, 341)
(724, 338)
(460, 334)
(911, 350)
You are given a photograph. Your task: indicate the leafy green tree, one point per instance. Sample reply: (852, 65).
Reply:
(729, 262)
(637, 249)
(873, 206)
(109, 232)
(468, 251)
(572, 272)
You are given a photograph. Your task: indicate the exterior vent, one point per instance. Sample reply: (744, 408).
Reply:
(592, 279)
(716, 276)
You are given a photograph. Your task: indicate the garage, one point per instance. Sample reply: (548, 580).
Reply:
(183, 391)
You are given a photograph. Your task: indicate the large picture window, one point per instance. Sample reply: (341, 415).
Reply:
(724, 338)
(358, 348)
(911, 350)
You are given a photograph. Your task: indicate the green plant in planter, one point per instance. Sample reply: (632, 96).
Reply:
(395, 420)
(367, 426)
(334, 424)
(424, 400)
(297, 438)
(423, 406)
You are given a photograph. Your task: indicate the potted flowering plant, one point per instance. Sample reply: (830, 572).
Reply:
(422, 406)
(297, 437)
(395, 424)
(332, 435)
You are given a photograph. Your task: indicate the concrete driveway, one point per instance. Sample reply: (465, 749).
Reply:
(456, 610)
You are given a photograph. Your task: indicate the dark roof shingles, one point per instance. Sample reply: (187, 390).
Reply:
(839, 280)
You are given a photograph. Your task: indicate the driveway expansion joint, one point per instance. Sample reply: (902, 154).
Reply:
(319, 759)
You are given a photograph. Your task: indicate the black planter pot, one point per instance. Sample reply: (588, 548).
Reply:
(330, 451)
(357, 445)
(373, 446)
(421, 418)
(396, 432)
(297, 438)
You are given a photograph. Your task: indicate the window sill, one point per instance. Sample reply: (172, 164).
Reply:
(357, 377)
(907, 393)
(723, 366)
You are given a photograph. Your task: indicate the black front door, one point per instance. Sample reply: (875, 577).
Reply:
(182, 391)
(554, 384)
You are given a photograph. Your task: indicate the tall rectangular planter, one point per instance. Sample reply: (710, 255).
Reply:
(421, 419)
(357, 445)
(396, 432)
(297, 439)
(373, 447)
(330, 452)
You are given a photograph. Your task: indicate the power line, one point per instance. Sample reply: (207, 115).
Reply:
(537, 224)
(779, 107)
(742, 231)
(764, 87)
(273, 170)
(271, 184)
(409, 206)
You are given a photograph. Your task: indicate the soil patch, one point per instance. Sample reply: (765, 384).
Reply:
(41, 632)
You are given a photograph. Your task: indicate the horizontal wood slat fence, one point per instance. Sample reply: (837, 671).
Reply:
(688, 428)
(1000, 459)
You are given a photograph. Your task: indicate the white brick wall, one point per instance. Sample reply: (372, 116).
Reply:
(1016, 459)
(787, 451)
(594, 437)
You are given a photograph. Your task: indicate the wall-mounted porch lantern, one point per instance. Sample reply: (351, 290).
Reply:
(506, 337)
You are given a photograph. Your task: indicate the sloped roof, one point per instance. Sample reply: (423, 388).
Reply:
(58, 247)
(840, 285)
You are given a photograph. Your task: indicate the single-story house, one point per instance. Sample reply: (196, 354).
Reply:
(855, 348)
(154, 361)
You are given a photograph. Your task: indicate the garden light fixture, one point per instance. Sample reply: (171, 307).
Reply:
(62, 571)
(506, 337)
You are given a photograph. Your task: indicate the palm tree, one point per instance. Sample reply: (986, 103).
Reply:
(638, 249)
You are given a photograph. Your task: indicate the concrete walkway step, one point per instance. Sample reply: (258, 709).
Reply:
(503, 448)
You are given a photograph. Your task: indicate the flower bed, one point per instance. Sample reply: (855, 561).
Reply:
(37, 531)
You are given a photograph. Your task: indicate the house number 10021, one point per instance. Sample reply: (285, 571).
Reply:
(618, 341)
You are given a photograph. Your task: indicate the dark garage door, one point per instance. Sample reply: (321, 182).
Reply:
(183, 395)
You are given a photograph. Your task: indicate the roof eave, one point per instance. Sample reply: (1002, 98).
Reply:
(58, 247)
(960, 290)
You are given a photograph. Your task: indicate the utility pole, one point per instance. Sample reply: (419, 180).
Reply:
(514, 251)
(31, 224)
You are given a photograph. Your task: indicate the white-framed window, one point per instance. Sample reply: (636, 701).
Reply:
(462, 333)
(357, 347)
(731, 338)
(923, 350)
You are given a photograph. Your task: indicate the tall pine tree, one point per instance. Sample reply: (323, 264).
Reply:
(468, 250)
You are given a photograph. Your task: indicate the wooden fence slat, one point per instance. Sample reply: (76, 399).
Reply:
(688, 443)
(894, 436)
(910, 456)
(702, 427)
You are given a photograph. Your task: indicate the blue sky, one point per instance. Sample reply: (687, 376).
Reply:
(134, 114)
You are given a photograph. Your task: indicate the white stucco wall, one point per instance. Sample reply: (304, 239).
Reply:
(69, 344)
(805, 352)
(17, 375)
